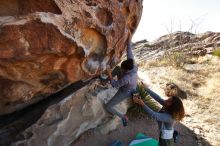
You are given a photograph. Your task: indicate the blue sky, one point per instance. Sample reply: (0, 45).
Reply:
(162, 16)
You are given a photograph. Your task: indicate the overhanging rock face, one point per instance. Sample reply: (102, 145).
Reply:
(47, 44)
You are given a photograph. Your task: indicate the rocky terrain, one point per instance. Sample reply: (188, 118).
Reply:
(51, 52)
(185, 43)
(51, 55)
(190, 64)
(195, 70)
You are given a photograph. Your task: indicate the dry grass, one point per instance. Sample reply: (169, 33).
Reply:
(175, 59)
(201, 81)
(217, 52)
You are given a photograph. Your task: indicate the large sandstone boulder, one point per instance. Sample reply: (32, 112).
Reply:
(47, 44)
(63, 122)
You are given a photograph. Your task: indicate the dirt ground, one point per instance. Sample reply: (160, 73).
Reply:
(137, 125)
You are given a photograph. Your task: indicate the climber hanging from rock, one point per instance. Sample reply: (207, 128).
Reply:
(126, 82)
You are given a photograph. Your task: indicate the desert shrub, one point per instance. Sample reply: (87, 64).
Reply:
(175, 59)
(148, 46)
(136, 110)
(217, 52)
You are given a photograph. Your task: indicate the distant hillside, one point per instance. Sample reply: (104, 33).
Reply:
(182, 42)
(191, 62)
